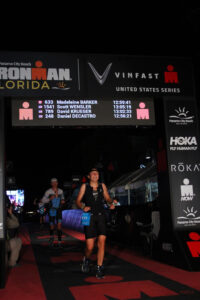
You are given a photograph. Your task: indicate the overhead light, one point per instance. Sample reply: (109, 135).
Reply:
(148, 154)
(148, 157)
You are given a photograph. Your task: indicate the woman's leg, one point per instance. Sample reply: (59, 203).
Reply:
(90, 236)
(101, 249)
(89, 247)
(88, 251)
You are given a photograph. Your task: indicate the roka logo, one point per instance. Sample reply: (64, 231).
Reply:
(183, 143)
(181, 167)
(100, 78)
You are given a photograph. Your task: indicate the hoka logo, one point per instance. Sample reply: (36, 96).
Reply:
(183, 141)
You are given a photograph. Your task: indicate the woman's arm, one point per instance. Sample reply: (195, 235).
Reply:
(108, 198)
(106, 194)
(80, 196)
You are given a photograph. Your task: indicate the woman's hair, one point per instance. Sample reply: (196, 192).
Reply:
(93, 169)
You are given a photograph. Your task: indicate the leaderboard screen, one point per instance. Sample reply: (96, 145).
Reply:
(83, 112)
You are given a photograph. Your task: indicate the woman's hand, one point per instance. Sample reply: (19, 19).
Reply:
(86, 208)
(112, 206)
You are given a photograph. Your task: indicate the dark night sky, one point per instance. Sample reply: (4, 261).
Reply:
(162, 29)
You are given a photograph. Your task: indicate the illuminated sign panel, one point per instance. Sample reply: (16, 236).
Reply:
(83, 112)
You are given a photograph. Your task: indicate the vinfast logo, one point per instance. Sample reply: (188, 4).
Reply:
(187, 193)
(100, 78)
(180, 143)
(130, 77)
(170, 76)
(181, 117)
(181, 167)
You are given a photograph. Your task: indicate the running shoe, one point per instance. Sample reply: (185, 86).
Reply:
(100, 272)
(85, 267)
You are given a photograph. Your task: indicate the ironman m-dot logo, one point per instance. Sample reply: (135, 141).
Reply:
(187, 193)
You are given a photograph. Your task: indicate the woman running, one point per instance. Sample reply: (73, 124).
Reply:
(91, 198)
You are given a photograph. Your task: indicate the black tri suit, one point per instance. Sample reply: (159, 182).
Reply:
(95, 199)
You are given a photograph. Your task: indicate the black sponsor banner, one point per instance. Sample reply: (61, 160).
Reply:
(183, 150)
(83, 112)
(59, 74)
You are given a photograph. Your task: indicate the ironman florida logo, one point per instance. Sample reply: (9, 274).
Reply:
(24, 76)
